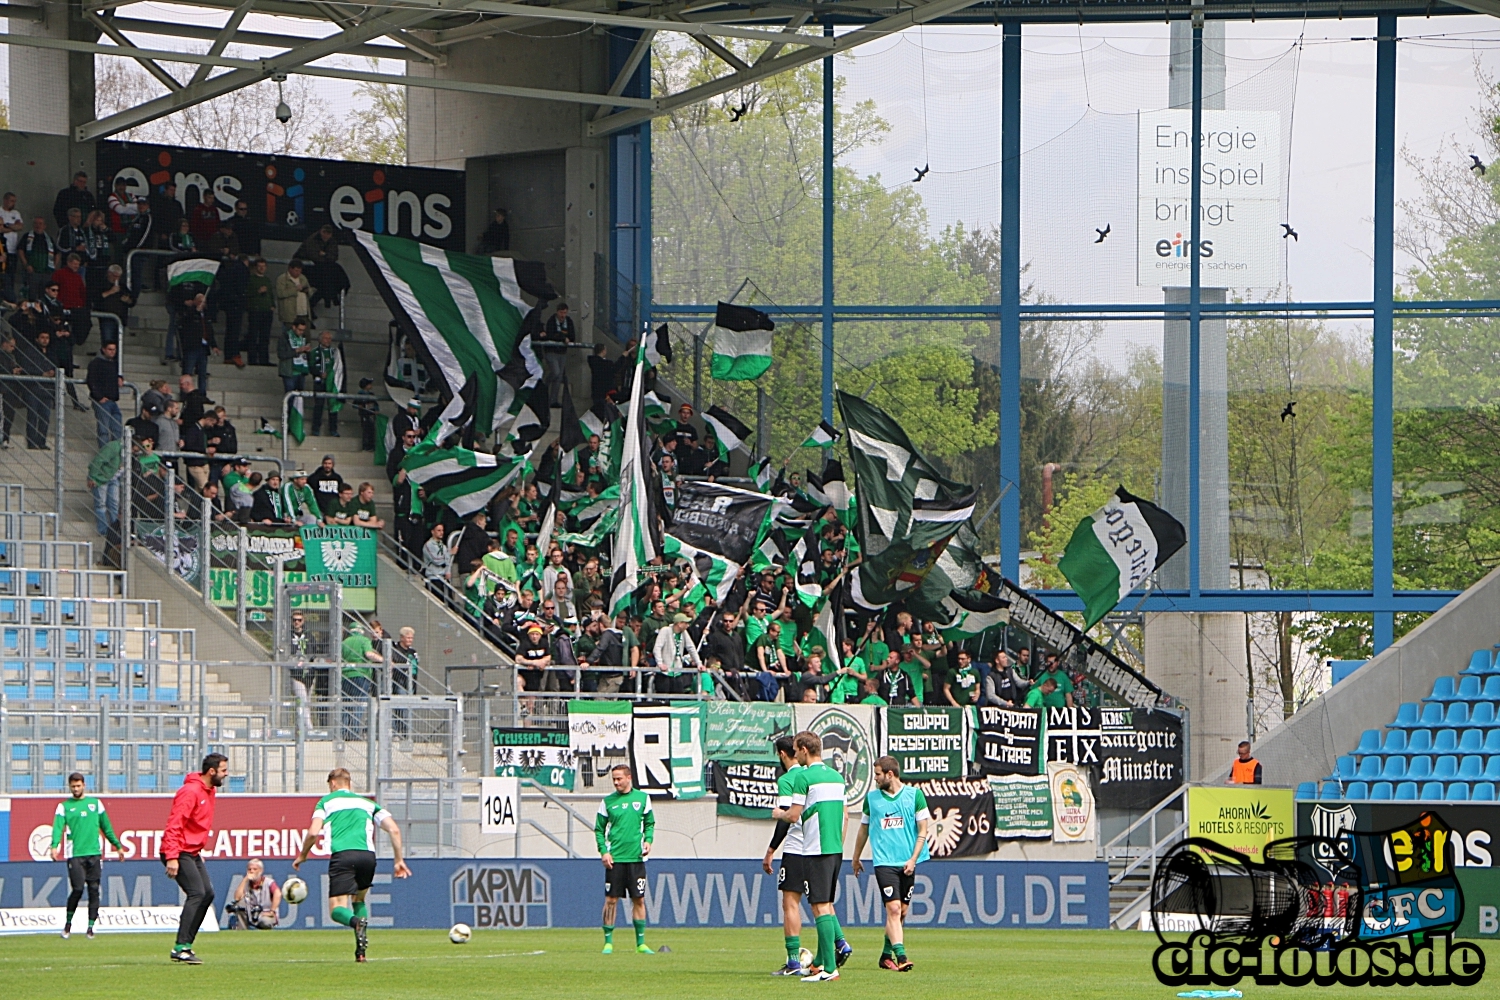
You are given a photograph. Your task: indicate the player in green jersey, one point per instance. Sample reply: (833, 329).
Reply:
(623, 831)
(818, 804)
(789, 877)
(87, 826)
(351, 820)
(896, 823)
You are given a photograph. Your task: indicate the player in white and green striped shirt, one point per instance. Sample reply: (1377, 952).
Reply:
(818, 804)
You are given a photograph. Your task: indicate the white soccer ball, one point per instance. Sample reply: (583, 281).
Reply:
(805, 956)
(294, 890)
(459, 933)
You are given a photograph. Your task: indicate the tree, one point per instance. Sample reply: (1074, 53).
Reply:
(375, 133)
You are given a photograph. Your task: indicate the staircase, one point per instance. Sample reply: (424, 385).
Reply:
(1134, 854)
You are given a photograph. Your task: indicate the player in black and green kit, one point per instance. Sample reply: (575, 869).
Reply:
(87, 825)
(623, 831)
(351, 820)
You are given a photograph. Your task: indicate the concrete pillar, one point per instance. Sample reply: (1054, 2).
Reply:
(1200, 658)
(52, 92)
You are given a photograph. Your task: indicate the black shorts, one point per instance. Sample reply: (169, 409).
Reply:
(792, 875)
(894, 883)
(822, 874)
(84, 871)
(350, 872)
(625, 878)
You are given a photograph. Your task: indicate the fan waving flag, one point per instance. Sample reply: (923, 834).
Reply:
(464, 313)
(740, 357)
(711, 571)
(1115, 549)
(464, 480)
(822, 436)
(200, 270)
(636, 538)
(728, 431)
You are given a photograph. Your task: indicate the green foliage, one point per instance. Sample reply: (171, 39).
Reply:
(374, 133)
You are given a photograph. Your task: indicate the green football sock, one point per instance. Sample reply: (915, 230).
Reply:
(361, 910)
(609, 934)
(180, 947)
(793, 947)
(827, 933)
(900, 951)
(343, 915)
(91, 924)
(640, 932)
(886, 951)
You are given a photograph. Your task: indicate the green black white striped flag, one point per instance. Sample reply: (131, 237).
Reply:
(822, 436)
(741, 357)
(714, 573)
(635, 539)
(1116, 549)
(464, 311)
(464, 480)
(729, 433)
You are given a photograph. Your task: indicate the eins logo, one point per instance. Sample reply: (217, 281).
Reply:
(422, 216)
(1179, 247)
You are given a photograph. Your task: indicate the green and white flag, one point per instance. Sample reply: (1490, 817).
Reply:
(823, 436)
(1116, 549)
(333, 376)
(711, 571)
(202, 270)
(635, 540)
(729, 433)
(974, 613)
(463, 480)
(294, 426)
(464, 310)
(740, 357)
(760, 474)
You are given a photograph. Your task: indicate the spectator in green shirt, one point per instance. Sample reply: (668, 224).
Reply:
(341, 511)
(1059, 677)
(850, 677)
(1045, 694)
(358, 683)
(870, 688)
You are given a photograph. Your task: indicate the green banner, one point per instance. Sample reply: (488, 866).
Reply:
(1023, 805)
(1481, 888)
(342, 554)
(542, 756)
(264, 545)
(740, 733)
(927, 742)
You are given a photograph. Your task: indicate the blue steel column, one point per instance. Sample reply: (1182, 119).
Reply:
(643, 179)
(1010, 301)
(1195, 317)
(1382, 432)
(828, 233)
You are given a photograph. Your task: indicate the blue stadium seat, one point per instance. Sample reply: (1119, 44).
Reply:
(1471, 768)
(1471, 741)
(1369, 769)
(1406, 791)
(1419, 768)
(1492, 741)
(1445, 768)
(1369, 742)
(1395, 769)
(1491, 690)
(53, 783)
(1432, 715)
(1331, 790)
(1483, 715)
(1395, 741)
(117, 782)
(1443, 689)
(147, 782)
(1492, 769)
(1408, 716)
(237, 783)
(1484, 791)
(1458, 791)
(1307, 790)
(1421, 741)
(1357, 790)
(1382, 790)
(1469, 688)
(1482, 662)
(1457, 715)
(1344, 769)
(1432, 791)
(1446, 741)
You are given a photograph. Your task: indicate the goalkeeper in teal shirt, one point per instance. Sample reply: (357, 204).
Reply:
(87, 826)
(897, 825)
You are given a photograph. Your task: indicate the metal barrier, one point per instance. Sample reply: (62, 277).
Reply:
(440, 817)
(65, 583)
(46, 554)
(100, 643)
(25, 525)
(12, 497)
(123, 612)
(1133, 858)
(64, 680)
(286, 405)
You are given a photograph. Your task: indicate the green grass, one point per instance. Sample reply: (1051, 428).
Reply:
(730, 964)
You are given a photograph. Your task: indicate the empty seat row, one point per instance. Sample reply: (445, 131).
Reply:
(1470, 687)
(1418, 741)
(1483, 662)
(1447, 767)
(1446, 715)
(1402, 791)
(83, 612)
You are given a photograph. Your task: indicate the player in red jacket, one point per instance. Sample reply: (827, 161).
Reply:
(188, 828)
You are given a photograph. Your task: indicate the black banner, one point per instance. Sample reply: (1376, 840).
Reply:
(291, 196)
(1008, 740)
(1073, 736)
(1140, 756)
(718, 518)
(963, 814)
(747, 790)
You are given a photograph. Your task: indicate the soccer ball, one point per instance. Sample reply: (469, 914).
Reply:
(459, 933)
(294, 890)
(805, 957)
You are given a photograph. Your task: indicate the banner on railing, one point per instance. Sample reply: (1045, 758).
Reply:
(963, 815)
(1009, 740)
(542, 756)
(1140, 756)
(740, 732)
(745, 790)
(339, 553)
(599, 736)
(505, 893)
(1023, 805)
(927, 742)
(666, 749)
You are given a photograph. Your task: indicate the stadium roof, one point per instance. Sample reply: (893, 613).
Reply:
(421, 31)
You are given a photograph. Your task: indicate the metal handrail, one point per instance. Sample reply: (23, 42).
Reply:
(1125, 834)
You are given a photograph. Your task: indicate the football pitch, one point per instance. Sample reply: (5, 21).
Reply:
(725, 963)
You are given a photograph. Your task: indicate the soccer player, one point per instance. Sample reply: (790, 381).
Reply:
(623, 831)
(818, 804)
(183, 840)
(896, 824)
(351, 820)
(789, 877)
(87, 825)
